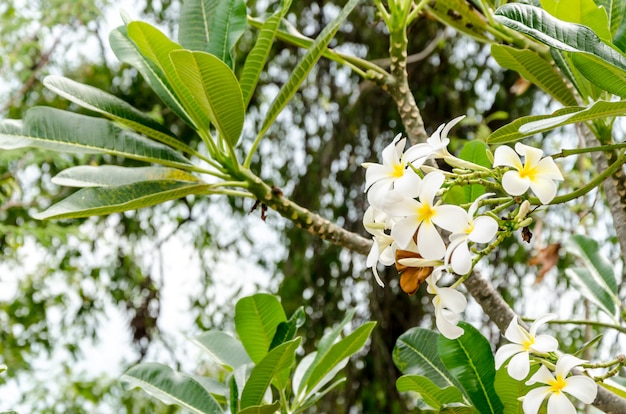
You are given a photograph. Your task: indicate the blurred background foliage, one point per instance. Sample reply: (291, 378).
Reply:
(61, 282)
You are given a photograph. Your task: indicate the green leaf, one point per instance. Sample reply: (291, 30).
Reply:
(340, 351)
(535, 69)
(172, 387)
(430, 393)
(278, 359)
(194, 28)
(286, 331)
(583, 86)
(416, 353)
(589, 251)
(584, 12)
(58, 130)
(535, 124)
(597, 281)
(223, 348)
(569, 37)
(114, 108)
(511, 390)
(256, 320)
(470, 360)
(113, 175)
(255, 62)
(304, 66)
(474, 151)
(95, 201)
(323, 347)
(137, 53)
(604, 75)
(460, 15)
(261, 409)
(615, 10)
(210, 88)
(228, 24)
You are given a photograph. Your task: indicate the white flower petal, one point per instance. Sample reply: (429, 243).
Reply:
(544, 189)
(505, 156)
(403, 231)
(516, 333)
(539, 322)
(399, 206)
(514, 184)
(452, 299)
(485, 229)
(390, 153)
(417, 154)
(450, 125)
(543, 375)
(545, 344)
(408, 184)
(581, 387)
(534, 398)
(461, 260)
(507, 351)
(430, 185)
(429, 242)
(372, 257)
(450, 217)
(446, 322)
(377, 277)
(560, 404)
(548, 168)
(531, 155)
(566, 363)
(519, 366)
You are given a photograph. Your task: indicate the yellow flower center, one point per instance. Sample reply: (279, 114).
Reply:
(398, 171)
(469, 229)
(528, 172)
(557, 385)
(425, 212)
(528, 343)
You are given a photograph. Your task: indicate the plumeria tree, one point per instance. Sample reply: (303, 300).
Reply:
(436, 213)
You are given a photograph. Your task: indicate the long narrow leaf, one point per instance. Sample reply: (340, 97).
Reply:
(112, 107)
(95, 201)
(430, 393)
(585, 12)
(305, 65)
(210, 89)
(470, 360)
(172, 387)
(228, 24)
(255, 62)
(278, 359)
(58, 130)
(534, 69)
(615, 10)
(535, 124)
(194, 26)
(460, 15)
(113, 175)
(597, 280)
(604, 75)
(556, 33)
(343, 349)
(129, 52)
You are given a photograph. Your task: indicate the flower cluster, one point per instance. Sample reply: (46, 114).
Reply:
(558, 385)
(414, 228)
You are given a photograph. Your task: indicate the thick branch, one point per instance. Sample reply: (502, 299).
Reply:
(399, 88)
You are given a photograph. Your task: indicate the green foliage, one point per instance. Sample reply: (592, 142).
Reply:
(257, 319)
(596, 280)
(448, 372)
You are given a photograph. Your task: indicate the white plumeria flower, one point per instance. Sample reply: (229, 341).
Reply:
(422, 215)
(436, 146)
(524, 342)
(383, 249)
(578, 386)
(449, 303)
(480, 230)
(537, 173)
(391, 174)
